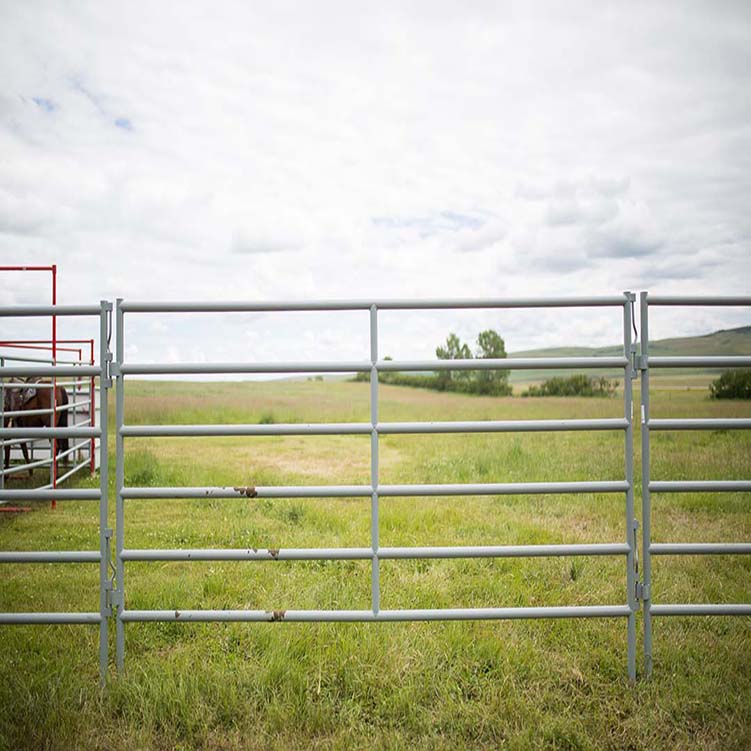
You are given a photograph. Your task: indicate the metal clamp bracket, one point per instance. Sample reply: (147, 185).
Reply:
(642, 592)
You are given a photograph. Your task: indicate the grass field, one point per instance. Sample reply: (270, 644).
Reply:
(516, 685)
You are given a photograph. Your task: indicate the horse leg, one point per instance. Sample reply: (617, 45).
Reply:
(25, 451)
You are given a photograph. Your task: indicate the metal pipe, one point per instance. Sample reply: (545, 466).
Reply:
(142, 431)
(725, 609)
(119, 483)
(520, 488)
(334, 305)
(715, 361)
(512, 363)
(532, 363)
(68, 494)
(646, 504)
(732, 423)
(383, 428)
(700, 548)
(384, 553)
(8, 311)
(104, 531)
(243, 367)
(39, 433)
(339, 616)
(501, 426)
(50, 556)
(375, 577)
(362, 491)
(14, 371)
(694, 300)
(75, 469)
(628, 406)
(700, 486)
(23, 467)
(48, 618)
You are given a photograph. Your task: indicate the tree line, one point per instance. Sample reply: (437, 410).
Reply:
(494, 382)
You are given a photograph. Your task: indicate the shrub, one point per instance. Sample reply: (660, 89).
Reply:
(732, 384)
(574, 385)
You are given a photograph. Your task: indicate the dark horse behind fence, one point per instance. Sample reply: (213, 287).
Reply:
(31, 397)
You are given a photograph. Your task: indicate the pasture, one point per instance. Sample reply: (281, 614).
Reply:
(518, 684)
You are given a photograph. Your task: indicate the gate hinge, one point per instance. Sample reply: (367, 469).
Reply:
(642, 591)
(108, 367)
(114, 599)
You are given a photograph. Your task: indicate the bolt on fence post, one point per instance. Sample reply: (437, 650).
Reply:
(119, 482)
(375, 583)
(646, 503)
(103, 490)
(628, 403)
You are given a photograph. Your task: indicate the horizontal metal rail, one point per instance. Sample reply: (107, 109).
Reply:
(85, 463)
(711, 423)
(713, 361)
(48, 618)
(700, 486)
(366, 491)
(41, 494)
(511, 363)
(364, 366)
(49, 310)
(362, 428)
(368, 616)
(40, 433)
(51, 556)
(698, 301)
(13, 371)
(71, 450)
(700, 548)
(69, 407)
(384, 553)
(338, 305)
(727, 609)
(44, 385)
(16, 468)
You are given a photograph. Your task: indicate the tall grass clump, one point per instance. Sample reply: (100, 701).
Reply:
(574, 385)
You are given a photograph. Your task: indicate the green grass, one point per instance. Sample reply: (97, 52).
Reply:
(516, 685)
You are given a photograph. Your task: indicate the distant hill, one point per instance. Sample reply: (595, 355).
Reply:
(724, 342)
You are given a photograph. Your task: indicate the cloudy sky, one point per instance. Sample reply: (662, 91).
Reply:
(331, 150)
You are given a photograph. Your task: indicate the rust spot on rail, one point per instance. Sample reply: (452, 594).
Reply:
(278, 615)
(248, 491)
(274, 553)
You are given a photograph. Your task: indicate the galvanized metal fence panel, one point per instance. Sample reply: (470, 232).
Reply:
(375, 490)
(100, 495)
(650, 486)
(112, 591)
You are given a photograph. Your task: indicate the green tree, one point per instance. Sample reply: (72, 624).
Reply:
(454, 349)
(492, 347)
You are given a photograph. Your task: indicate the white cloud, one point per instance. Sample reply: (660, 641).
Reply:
(431, 149)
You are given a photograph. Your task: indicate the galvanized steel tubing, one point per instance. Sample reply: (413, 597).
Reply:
(59, 494)
(375, 491)
(650, 486)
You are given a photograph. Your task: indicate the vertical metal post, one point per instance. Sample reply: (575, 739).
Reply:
(104, 494)
(119, 482)
(53, 418)
(628, 403)
(375, 580)
(646, 503)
